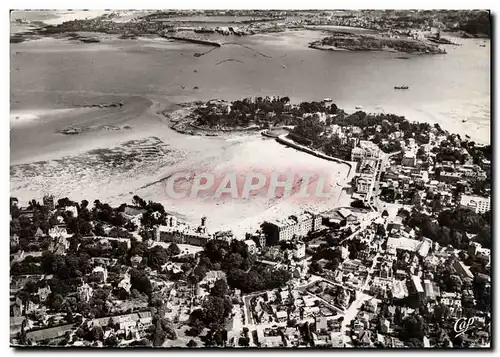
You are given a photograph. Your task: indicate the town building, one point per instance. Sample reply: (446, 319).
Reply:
(48, 201)
(417, 287)
(462, 270)
(84, 292)
(409, 158)
(411, 245)
(101, 273)
(43, 293)
(251, 245)
(477, 204)
(293, 226)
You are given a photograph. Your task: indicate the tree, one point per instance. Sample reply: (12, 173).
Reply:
(69, 317)
(220, 289)
(95, 334)
(111, 341)
(216, 336)
(138, 248)
(173, 249)
(244, 341)
(196, 322)
(232, 261)
(140, 282)
(99, 230)
(198, 274)
(54, 301)
(139, 201)
(358, 204)
(192, 344)
(216, 309)
(158, 257)
(159, 335)
(412, 327)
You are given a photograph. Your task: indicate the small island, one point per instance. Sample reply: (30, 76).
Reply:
(344, 41)
(104, 105)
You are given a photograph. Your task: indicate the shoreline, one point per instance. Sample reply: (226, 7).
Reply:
(283, 140)
(421, 114)
(375, 42)
(183, 124)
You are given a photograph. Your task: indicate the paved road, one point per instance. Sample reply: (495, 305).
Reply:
(352, 311)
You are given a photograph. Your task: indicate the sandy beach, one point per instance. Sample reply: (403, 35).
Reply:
(26, 117)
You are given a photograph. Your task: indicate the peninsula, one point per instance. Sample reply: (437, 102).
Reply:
(343, 41)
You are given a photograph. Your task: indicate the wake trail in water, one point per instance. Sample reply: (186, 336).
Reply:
(228, 60)
(199, 54)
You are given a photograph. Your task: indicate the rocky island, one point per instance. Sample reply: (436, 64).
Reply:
(343, 41)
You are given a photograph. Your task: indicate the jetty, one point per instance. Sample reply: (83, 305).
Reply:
(194, 40)
(285, 141)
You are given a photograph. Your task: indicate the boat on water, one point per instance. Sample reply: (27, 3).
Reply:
(464, 120)
(358, 107)
(89, 40)
(401, 87)
(467, 136)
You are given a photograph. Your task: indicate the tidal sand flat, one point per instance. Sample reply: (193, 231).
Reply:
(103, 174)
(242, 155)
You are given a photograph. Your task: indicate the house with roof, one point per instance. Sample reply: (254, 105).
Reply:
(385, 327)
(251, 245)
(432, 291)
(135, 261)
(43, 293)
(16, 307)
(454, 302)
(281, 316)
(129, 324)
(58, 231)
(48, 334)
(321, 325)
(59, 245)
(84, 292)
(399, 289)
(212, 276)
(39, 234)
(462, 270)
(14, 240)
(101, 272)
(347, 216)
(292, 337)
(370, 305)
(410, 245)
(365, 339)
(417, 288)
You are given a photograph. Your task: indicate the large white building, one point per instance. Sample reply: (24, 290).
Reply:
(366, 150)
(477, 204)
(296, 225)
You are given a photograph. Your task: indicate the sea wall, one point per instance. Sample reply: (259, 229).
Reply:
(194, 40)
(283, 140)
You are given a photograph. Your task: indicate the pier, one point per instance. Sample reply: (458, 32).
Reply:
(195, 40)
